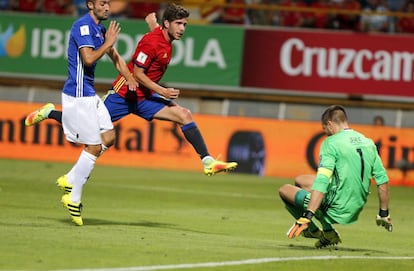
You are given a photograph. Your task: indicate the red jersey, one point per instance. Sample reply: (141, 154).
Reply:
(292, 18)
(141, 10)
(27, 5)
(57, 7)
(406, 25)
(321, 18)
(234, 15)
(153, 54)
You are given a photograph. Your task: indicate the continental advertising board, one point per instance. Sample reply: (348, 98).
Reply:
(34, 46)
(264, 147)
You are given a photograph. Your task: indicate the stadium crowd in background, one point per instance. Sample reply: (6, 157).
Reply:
(225, 11)
(406, 24)
(121, 8)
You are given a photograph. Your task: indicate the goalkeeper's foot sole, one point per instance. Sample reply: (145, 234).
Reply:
(328, 238)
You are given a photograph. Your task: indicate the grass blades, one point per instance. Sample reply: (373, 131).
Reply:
(136, 219)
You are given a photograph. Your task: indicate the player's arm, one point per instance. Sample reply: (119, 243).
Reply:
(319, 187)
(143, 79)
(151, 20)
(91, 56)
(383, 218)
(122, 68)
(315, 200)
(383, 195)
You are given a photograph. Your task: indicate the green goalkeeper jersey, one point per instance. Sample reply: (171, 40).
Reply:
(347, 163)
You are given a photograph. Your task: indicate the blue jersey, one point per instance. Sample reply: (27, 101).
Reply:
(84, 33)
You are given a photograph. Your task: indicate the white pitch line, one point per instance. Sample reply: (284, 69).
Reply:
(241, 262)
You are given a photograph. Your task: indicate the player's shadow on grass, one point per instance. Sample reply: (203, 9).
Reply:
(336, 248)
(102, 222)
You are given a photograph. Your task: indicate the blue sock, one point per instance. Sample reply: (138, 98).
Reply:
(193, 135)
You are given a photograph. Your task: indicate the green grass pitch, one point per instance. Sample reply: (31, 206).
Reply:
(139, 219)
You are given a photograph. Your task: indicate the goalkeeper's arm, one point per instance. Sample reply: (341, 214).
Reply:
(383, 218)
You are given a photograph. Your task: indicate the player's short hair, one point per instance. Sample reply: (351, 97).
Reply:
(334, 113)
(379, 120)
(174, 12)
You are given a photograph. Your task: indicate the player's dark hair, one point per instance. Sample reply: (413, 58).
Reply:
(334, 113)
(174, 12)
(379, 120)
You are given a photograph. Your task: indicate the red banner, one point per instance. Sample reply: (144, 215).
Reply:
(324, 61)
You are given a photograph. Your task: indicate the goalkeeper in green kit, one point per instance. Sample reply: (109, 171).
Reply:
(338, 193)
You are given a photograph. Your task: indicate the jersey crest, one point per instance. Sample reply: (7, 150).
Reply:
(142, 57)
(84, 30)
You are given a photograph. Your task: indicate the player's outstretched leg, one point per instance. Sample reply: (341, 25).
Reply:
(74, 209)
(213, 166)
(329, 238)
(39, 115)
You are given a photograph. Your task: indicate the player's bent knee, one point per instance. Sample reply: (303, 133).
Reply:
(186, 115)
(285, 191)
(94, 149)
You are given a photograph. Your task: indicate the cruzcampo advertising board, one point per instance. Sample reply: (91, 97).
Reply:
(34, 46)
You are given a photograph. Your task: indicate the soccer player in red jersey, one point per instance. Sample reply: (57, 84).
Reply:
(151, 100)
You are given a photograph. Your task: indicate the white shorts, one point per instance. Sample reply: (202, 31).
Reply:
(84, 119)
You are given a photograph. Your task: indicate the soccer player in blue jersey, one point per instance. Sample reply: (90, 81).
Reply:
(339, 191)
(85, 118)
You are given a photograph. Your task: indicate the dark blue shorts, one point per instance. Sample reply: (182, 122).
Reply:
(119, 107)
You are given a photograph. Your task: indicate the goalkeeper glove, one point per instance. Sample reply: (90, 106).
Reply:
(384, 220)
(301, 224)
